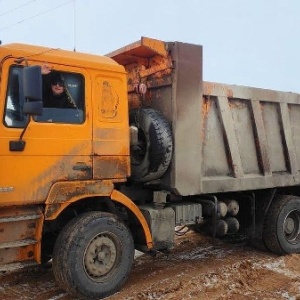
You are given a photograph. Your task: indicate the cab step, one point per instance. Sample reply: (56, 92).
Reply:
(17, 244)
(20, 234)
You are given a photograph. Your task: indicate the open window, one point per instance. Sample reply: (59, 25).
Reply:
(67, 107)
(73, 91)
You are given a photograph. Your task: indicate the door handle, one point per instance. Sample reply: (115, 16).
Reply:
(81, 166)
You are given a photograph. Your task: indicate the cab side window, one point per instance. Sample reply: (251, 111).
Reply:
(14, 116)
(63, 98)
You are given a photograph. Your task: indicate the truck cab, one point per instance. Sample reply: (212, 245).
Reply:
(54, 158)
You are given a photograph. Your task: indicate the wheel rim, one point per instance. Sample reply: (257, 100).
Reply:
(139, 151)
(100, 256)
(291, 227)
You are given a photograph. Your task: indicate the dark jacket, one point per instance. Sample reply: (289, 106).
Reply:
(50, 100)
(60, 101)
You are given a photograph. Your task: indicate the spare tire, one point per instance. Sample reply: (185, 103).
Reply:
(151, 154)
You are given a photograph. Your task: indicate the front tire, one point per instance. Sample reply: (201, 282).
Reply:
(93, 255)
(282, 225)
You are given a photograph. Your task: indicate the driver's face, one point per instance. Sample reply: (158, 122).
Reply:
(57, 88)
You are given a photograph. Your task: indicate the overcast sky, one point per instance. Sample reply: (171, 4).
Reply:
(245, 42)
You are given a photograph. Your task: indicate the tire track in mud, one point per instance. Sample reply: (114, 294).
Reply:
(195, 269)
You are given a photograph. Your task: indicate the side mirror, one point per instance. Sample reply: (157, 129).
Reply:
(32, 83)
(33, 105)
(34, 108)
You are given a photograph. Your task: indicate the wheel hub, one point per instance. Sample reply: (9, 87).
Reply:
(291, 227)
(100, 256)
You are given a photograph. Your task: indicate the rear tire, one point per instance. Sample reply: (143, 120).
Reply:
(282, 225)
(93, 255)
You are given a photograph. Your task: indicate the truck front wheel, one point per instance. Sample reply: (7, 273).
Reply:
(93, 255)
(282, 225)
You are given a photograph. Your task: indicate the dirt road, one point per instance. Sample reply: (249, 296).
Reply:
(195, 269)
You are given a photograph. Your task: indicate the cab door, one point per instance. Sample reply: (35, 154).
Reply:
(110, 126)
(57, 144)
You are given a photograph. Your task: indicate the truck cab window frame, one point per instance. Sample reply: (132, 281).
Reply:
(73, 84)
(74, 88)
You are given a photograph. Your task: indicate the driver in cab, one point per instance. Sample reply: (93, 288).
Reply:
(56, 96)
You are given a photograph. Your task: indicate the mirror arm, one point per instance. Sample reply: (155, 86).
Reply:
(20, 144)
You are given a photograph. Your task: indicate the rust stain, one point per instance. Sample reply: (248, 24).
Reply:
(237, 103)
(206, 107)
(64, 191)
(17, 254)
(156, 64)
(229, 93)
(110, 167)
(29, 220)
(134, 101)
(52, 210)
(154, 71)
(208, 88)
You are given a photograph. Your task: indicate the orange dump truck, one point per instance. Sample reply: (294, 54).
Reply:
(146, 146)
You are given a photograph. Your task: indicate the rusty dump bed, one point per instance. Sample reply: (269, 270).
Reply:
(251, 138)
(226, 138)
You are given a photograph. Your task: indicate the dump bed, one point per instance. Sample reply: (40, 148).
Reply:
(226, 137)
(251, 138)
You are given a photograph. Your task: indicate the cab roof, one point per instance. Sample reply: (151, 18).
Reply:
(65, 57)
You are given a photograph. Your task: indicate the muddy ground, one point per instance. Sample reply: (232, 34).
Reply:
(196, 269)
